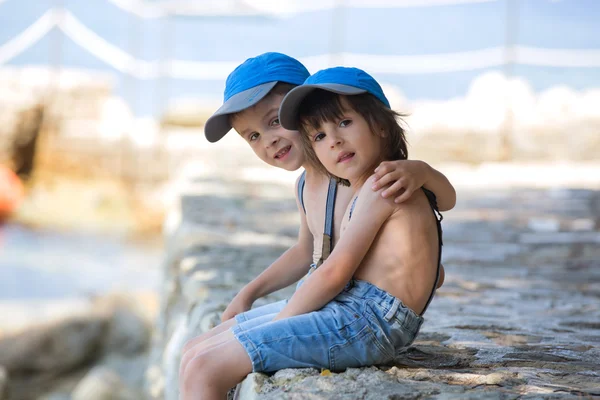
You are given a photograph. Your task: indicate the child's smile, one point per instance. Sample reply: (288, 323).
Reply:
(260, 127)
(283, 153)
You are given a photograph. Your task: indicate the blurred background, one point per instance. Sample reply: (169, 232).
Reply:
(102, 106)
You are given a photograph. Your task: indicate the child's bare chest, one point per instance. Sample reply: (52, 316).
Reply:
(315, 198)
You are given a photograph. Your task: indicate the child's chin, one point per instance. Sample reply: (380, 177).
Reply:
(289, 166)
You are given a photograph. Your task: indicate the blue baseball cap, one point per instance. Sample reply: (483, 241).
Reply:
(249, 83)
(341, 80)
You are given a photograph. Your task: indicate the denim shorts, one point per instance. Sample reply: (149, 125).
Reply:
(266, 313)
(363, 325)
(258, 312)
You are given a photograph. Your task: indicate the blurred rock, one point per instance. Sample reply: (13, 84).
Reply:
(102, 383)
(129, 327)
(3, 383)
(56, 347)
(47, 361)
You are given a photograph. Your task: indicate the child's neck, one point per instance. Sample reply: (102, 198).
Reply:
(357, 183)
(313, 172)
(310, 170)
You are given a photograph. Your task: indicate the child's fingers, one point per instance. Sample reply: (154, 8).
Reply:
(404, 196)
(384, 180)
(394, 189)
(383, 168)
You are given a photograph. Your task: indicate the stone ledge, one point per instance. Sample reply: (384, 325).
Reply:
(516, 317)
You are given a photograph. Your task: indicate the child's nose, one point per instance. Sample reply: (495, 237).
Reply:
(335, 141)
(272, 141)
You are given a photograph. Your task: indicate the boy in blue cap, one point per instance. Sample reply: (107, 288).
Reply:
(253, 94)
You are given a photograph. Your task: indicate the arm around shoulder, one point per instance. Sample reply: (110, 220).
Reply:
(441, 187)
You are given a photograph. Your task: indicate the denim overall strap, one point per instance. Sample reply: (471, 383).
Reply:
(329, 213)
(438, 219)
(301, 183)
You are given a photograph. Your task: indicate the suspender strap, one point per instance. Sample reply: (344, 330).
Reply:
(438, 219)
(301, 183)
(329, 213)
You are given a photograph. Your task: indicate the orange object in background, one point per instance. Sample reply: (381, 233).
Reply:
(11, 192)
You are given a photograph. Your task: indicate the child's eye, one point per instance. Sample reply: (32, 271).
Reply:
(345, 123)
(319, 136)
(253, 136)
(274, 123)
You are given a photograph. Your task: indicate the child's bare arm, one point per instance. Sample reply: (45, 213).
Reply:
(287, 269)
(406, 176)
(329, 279)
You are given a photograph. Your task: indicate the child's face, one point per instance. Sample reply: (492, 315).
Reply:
(259, 126)
(346, 147)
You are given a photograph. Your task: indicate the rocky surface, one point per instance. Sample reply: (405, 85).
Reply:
(516, 318)
(98, 354)
(3, 383)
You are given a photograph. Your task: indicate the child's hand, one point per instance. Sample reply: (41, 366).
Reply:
(405, 176)
(441, 277)
(238, 305)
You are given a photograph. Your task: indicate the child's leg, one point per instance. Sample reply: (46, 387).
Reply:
(267, 309)
(221, 362)
(192, 347)
(222, 327)
(211, 373)
(202, 342)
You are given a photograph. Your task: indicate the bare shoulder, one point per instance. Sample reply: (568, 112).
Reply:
(373, 198)
(415, 207)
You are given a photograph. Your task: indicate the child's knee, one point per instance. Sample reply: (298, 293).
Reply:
(186, 356)
(190, 344)
(198, 368)
(186, 347)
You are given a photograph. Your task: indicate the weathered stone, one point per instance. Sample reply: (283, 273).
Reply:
(516, 317)
(102, 383)
(128, 330)
(48, 360)
(3, 383)
(55, 347)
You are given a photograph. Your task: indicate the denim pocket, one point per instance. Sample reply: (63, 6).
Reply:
(400, 336)
(358, 351)
(405, 326)
(394, 331)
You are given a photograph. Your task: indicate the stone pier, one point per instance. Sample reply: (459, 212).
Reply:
(518, 315)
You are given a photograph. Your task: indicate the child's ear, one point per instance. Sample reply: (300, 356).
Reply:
(379, 130)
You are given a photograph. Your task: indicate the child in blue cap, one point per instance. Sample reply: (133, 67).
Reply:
(253, 94)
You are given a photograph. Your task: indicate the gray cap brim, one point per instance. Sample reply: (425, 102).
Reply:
(218, 124)
(288, 111)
